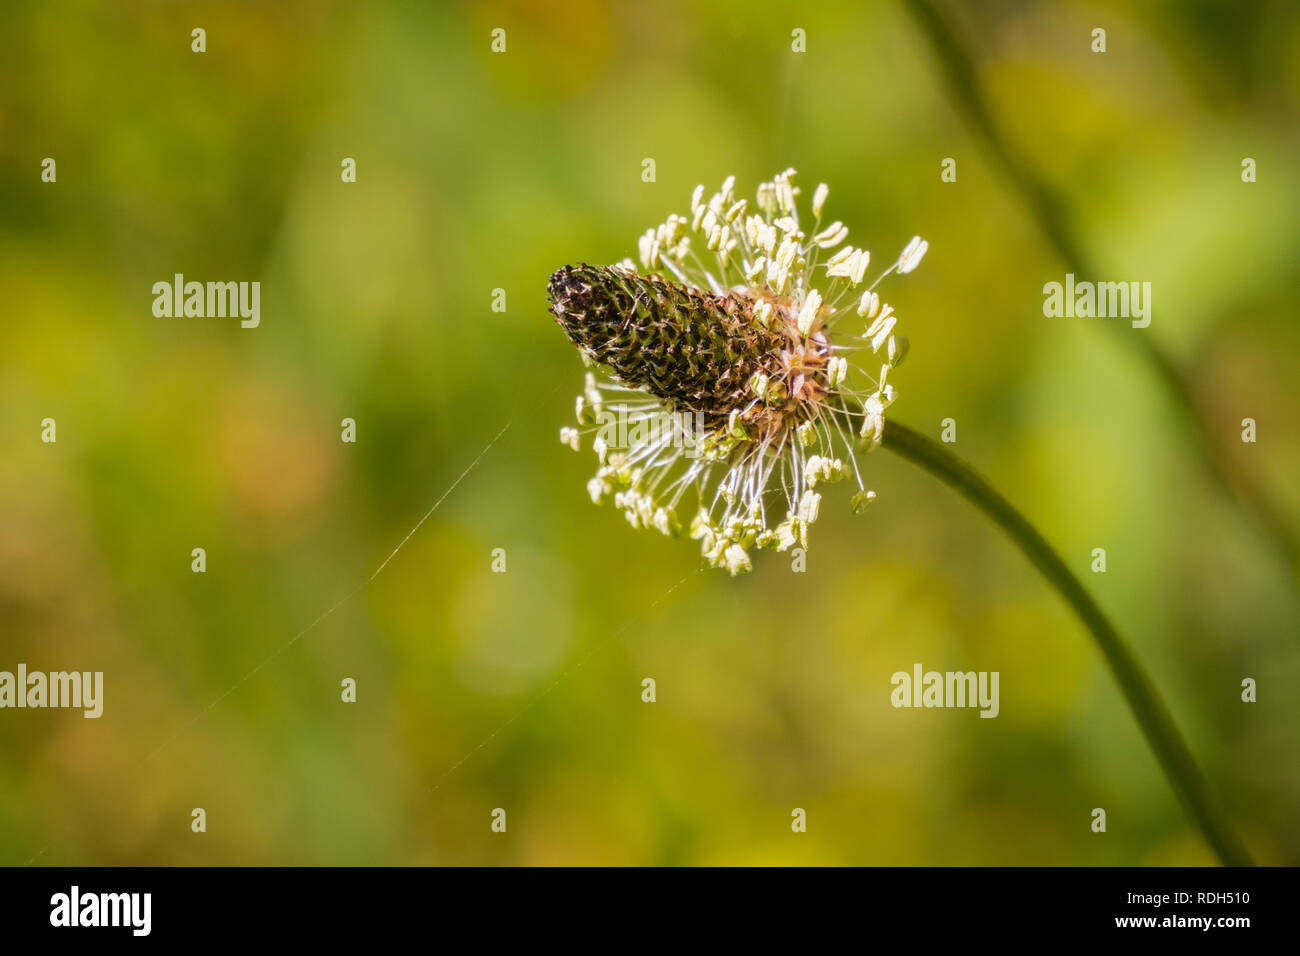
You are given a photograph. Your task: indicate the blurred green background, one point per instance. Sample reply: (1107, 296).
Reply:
(521, 690)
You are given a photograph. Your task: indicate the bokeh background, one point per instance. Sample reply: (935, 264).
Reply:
(522, 690)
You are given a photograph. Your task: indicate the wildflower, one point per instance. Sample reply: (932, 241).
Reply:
(732, 320)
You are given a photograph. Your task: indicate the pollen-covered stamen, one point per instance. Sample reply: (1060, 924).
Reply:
(728, 318)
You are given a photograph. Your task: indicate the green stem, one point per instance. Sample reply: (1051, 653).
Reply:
(1053, 217)
(1140, 693)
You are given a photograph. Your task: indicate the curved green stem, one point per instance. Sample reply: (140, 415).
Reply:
(1143, 699)
(1050, 210)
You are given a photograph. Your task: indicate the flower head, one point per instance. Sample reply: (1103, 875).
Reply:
(719, 369)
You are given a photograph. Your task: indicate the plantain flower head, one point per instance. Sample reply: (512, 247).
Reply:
(734, 371)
